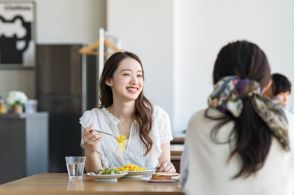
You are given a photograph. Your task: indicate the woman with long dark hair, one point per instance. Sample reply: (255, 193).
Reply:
(241, 143)
(125, 111)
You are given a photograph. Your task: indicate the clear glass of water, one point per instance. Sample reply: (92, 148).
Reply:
(75, 167)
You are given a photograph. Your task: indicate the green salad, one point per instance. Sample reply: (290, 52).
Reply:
(108, 171)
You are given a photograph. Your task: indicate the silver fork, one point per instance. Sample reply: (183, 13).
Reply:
(105, 133)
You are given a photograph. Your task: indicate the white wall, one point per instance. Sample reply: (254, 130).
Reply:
(178, 41)
(192, 78)
(69, 21)
(57, 22)
(204, 26)
(145, 27)
(21, 80)
(215, 23)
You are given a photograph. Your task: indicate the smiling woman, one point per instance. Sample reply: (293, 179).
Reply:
(127, 114)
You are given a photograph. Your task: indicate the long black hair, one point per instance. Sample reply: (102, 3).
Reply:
(251, 135)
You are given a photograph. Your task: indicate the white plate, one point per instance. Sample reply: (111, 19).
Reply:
(140, 173)
(148, 179)
(111, 177)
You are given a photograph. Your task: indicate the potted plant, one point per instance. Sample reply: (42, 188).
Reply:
(16, 100)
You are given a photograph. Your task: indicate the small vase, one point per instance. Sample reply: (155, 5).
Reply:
(2, 108)
(17, 109)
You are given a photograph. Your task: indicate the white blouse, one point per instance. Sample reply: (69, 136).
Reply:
(109, 151)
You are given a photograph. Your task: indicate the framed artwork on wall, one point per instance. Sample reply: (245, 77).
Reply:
(17, 34)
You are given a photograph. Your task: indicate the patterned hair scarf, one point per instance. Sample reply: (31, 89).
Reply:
(227, 95)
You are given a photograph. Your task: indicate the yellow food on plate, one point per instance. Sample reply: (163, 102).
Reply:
(121, 140)
(130, 167)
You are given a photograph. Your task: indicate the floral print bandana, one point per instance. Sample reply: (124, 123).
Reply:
(226, 97)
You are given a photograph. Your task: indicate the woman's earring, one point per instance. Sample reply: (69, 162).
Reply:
(108, 83)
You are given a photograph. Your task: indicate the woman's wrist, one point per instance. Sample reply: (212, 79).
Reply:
(93, 161)
(89, 151)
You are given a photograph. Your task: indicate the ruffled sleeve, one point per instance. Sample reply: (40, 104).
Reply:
(86, 120)
(163, 122)
(89, 118)
(160, 134)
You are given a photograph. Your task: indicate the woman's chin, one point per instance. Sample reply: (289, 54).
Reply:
(132, 97)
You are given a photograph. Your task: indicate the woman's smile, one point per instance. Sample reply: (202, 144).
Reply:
(132, 89)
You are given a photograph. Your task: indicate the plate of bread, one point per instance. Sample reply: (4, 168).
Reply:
(163, 177)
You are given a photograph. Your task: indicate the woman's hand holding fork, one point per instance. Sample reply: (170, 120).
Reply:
(91, 139)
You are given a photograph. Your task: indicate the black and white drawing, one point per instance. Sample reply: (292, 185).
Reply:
(17, 44)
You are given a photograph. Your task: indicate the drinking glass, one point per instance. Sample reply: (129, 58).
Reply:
(75, 167)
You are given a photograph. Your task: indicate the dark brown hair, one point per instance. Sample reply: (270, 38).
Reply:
(281, 84)
(251, 134)
(143, 107)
